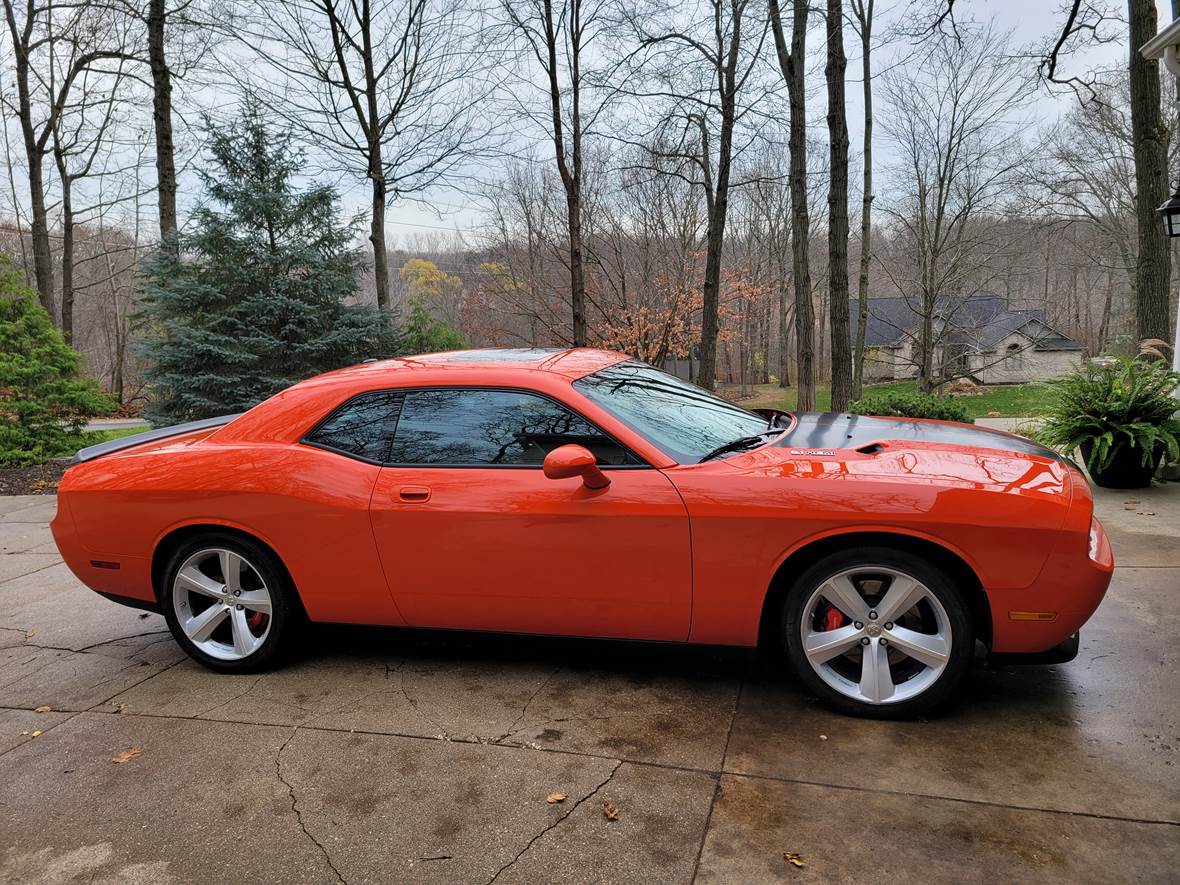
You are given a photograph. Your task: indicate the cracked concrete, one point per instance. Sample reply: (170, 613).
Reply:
(383, 756)
(295, 805)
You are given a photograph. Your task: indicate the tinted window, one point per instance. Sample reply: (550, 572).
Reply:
(681, 418)
(363, 427)
(491, 427)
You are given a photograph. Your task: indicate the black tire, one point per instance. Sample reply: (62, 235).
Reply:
(951, 598)
(286, 612)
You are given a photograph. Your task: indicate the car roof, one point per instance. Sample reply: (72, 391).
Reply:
(300, 405)
(571, 362)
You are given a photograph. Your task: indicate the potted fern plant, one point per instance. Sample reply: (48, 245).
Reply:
(1121, 415)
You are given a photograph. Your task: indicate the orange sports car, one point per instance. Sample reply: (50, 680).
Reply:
(581, 493)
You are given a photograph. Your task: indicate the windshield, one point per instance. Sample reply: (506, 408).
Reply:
(683, 420)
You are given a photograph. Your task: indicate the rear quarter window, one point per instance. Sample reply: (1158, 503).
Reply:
(363, 427)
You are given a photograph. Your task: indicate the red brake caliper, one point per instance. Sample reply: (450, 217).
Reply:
(833, 618)
(257, 619)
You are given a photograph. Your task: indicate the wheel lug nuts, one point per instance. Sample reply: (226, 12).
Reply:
(865, 641)
(858, 625)
(872, 616)
(237, 593)
(240, 606)
(889, 625)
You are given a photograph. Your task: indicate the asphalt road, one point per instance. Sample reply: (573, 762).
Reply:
(390, 756)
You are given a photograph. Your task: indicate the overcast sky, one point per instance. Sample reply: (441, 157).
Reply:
(1033, 22)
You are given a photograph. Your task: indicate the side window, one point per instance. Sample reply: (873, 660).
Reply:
(472, 427)
(363, 427)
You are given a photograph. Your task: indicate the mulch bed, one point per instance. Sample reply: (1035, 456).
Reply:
(39, 480)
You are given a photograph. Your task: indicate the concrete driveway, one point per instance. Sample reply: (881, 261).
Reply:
(389, 756)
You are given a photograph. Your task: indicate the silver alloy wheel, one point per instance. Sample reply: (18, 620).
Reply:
(222, 604)
(888, 641)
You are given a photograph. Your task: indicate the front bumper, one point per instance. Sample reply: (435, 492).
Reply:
(1067, 592)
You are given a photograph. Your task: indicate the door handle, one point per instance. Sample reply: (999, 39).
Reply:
(414, 494)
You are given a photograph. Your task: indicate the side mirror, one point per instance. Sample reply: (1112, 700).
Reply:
(572, 460)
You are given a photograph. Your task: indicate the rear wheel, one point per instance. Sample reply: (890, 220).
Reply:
(877, 632)
(228, 603)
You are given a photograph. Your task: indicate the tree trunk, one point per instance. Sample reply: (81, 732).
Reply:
(784, 356)
(838, 211)
(162, 122)
(377, 230)
(1153, 265)
(67, 257)
(577, 269)
(791, 63)
(34, 155)
(715, 237)
(865, 15)
(571, 178)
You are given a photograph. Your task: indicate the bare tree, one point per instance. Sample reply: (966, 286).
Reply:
(703, 65)
(792, 64)
(81, 149)
(837, 63)
(384, 89)
(862, 11)
(559, 38)
(51, 50)
(954, 124)
(1153, 263)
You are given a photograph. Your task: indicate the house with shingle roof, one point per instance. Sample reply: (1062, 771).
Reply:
(977, 337)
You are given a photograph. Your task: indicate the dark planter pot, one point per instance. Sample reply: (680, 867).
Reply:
(1126, 469)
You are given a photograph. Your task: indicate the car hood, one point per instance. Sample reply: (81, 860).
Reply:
(832, 431)
(907, 453)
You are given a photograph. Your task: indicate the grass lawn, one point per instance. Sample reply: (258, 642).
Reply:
(1009, 401)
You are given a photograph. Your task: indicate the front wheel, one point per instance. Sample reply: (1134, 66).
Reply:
(877, 632)
(228, 603)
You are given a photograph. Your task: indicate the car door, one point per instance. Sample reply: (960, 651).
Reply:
(472, 534)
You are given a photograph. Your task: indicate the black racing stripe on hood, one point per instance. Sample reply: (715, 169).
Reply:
(836, 430)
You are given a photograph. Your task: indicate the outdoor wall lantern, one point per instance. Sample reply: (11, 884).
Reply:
(1170, 213)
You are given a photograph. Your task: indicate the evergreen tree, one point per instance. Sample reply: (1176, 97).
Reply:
(44, 402)
(254, 299)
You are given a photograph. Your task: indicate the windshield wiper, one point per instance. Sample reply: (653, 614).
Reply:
(743, 442)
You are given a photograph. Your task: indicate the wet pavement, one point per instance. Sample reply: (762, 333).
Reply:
(393, 756)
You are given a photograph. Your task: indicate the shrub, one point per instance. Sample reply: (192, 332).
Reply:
(44, 402)
(422, 333)
(912, 405)
(1112, 403)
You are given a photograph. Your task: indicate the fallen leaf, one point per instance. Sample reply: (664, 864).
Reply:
(30, 633)
(794, 859)
(1145, 513)
(610, 811)
(37, 733)
(126, 755)
(823, 737)
(144, 615)
(993, 414)
(25, 732)
(43, 709)
(555, 797)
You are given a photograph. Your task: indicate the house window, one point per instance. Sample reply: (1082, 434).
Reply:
(1014, 358)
